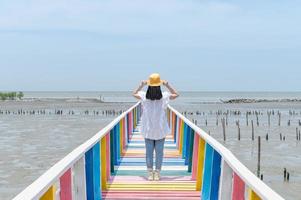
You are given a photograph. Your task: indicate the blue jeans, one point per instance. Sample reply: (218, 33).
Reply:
(150, 146)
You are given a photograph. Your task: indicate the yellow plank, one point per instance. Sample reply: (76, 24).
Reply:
(173, 124)
(200, 166)
(50, 194)
(153, 189)
(168, 115)
(253, 195)
(134, 113)
(184, 182)
(150, 186)
(103, 159)
(180, 137)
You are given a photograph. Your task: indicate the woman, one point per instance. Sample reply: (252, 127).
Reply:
(154, 125)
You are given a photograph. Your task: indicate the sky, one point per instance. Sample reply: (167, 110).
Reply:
(104, 45)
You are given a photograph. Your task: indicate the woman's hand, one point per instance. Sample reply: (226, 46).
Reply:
(164, 82)
(143, 83)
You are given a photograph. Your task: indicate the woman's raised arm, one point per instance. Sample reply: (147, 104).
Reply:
(135, 92)
(174, 93)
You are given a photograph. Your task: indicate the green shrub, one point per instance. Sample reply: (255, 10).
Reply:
(11, 95)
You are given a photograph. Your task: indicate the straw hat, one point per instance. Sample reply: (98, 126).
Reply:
(154, 80)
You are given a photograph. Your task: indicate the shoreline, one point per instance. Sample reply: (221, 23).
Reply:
(96, 100)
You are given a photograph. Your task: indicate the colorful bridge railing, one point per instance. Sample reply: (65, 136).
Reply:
(218, 173)
(84, 172)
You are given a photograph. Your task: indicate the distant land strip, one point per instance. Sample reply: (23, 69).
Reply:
(258, 100)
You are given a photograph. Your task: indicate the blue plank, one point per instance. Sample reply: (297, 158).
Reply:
(89, 174)
(216, 172)
(112, 150)
(92, 166)
(133, 119)
(96, 171)
(115, 145)
(184, 141)
(118, 142)
(190, 149)
(188, 143)
(206, 189)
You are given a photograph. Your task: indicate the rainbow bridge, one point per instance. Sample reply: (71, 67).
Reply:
(111, 165)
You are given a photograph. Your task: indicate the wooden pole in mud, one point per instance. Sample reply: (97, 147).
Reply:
(252, 123)
(257, 121)
(247, 118)
(224, 128)
(258, 160)
(238, 129)
(269, 118)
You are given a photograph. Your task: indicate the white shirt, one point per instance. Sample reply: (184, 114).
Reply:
(154, 123)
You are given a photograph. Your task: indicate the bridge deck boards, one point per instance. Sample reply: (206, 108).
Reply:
(130, 178)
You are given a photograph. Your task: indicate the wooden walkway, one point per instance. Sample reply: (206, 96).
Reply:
(130, 178)
(111, 165)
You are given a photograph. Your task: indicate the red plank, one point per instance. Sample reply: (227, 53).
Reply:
(65, 185)
(179, 132)
(124, 133)
(238, 192)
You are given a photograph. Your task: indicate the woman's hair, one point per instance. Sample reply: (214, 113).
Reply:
(154, 93)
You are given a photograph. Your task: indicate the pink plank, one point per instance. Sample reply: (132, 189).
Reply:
(65, 184)
(151, 194)
(124, 133)
(108, 155)
(148, 198)
(143, 178)
(195, 156)
(238, 192)
(179, 132)
(160, 192)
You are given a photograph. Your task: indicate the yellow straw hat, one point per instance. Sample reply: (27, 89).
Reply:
(154, 80)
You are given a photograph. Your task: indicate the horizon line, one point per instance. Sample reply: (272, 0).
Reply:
(131, 91)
